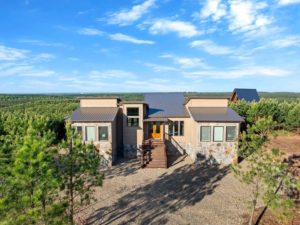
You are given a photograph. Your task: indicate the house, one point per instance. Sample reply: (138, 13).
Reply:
(159, 125)
(248, 95)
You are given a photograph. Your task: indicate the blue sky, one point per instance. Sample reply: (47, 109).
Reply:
(149, 45)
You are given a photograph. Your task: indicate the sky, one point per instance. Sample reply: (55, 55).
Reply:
(65, 46)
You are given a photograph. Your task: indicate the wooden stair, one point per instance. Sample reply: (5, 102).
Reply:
(157, 155)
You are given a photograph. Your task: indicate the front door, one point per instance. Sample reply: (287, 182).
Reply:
(155, 130)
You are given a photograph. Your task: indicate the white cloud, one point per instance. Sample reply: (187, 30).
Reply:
(211, 48)
(11, 54)
(110, 74)
(127, 38)
(183, 29)
(288, 2)
(41, 43)
(245, 15)
(161, 68)
(25, 70)
(90, 32)
(214, 8)
(285, 42)
(239, 72)
(127, 17)
(186, 62)
(44, 56)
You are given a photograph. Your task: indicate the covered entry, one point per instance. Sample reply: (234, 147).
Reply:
(155, 128)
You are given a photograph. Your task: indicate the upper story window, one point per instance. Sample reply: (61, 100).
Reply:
(132, 117)
(103, 133)
(90, 133)
(218, 134)
(176, 128)
(230, 133)
(132, 111)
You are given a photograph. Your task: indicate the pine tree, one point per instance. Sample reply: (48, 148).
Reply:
(32, 186)
(80, 171)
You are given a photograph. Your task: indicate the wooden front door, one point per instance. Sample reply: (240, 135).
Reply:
(155, 130)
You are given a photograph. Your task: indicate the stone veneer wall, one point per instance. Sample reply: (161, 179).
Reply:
(223, 153)
(105, 148)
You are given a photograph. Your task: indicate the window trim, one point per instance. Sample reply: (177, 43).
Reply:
(234, 139)
(214, 133)
(99, 138)
(133, 117)
(172, 124)
(95, 138)
(209, 134)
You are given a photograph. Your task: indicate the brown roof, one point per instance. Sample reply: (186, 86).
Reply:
(214, 114)
(94, 114)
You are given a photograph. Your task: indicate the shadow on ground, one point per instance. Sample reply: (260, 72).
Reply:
(123, 167)
(151, 203)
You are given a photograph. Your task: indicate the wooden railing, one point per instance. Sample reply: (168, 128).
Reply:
(145, 152)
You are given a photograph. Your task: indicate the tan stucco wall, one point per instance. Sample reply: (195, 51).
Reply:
(98, 102)
(107, 149)
(207, 103)
(132, 136)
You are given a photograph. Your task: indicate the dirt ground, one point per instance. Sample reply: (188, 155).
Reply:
(289, 144)
(182, 194)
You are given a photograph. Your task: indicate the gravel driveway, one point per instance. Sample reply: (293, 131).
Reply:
(182, 194)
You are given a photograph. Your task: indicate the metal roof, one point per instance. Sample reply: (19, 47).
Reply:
(94, 114)
(166, 104)
(246, 94)
(214, 114)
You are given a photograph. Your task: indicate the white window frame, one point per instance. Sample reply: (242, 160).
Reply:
(222, 133)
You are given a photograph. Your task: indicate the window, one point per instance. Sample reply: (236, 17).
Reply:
(132, 111)
(205, 133)
(181, 128)
(171, 127)
(175, 128)
(132, 117)
(103, 133)
(132, 122)
(218, 134)
(79, 130)
(230, 133)
(90, 133)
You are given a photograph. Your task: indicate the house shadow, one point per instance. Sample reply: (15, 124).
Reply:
(123, 167)
(151, 203)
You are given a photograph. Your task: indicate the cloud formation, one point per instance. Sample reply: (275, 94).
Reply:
(127, 17)
(130, 39)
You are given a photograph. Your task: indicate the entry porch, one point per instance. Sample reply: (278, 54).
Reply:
(154, 149)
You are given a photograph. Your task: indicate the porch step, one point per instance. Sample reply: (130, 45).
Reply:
(157, 156)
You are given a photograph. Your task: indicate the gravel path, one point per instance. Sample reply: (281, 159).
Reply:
(182, 194)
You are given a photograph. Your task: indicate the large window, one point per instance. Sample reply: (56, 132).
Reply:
(205, 133)
(230, 133)
(132, 117)
(218, 134)
(103, 133)
(176, 128)
(90, 133)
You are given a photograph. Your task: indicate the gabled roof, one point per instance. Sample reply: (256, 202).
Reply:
(94, 114)
(166, 104)
(214, 114)
(246, 94)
